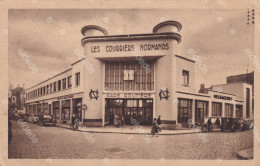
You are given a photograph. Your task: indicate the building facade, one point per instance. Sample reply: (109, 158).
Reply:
(138, 75)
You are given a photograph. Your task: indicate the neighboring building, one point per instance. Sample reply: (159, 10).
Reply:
(248, 78)
(14, 98)
(140, 76)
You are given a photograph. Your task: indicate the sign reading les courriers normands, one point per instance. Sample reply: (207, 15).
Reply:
(130, 47)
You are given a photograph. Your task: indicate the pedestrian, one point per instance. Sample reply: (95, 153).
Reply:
(154, 129)
(116, 121)
(209, 124)
(123, 120)
(73, 118)
(133, 120)
(159, 123)
(217, 123)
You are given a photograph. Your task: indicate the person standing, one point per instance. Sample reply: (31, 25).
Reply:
(209, 124)
(73, 118)
(217, 123)
(154, 129)
(159, 123)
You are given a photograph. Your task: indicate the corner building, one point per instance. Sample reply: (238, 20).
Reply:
(136, 74)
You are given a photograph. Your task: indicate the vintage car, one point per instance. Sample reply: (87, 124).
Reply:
(230, 124)
(46, 120)
(33, 118)
(24, 117)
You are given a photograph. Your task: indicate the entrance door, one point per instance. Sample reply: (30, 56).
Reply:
(140, 109)
(201, 111)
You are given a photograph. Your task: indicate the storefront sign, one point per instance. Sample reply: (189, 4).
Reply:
(129, 48)
(222, 97)
(128, 95)
(65, 97)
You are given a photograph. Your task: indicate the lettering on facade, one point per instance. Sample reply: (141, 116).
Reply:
(128, 95)
(222, 97)
(65, 97)
(130, 48)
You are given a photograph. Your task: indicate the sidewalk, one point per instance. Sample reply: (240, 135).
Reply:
(246, 154)
(128, 130)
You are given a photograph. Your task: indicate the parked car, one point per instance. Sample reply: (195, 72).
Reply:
(231, 124)
(33, 118)
(46, 120)
(24, 117)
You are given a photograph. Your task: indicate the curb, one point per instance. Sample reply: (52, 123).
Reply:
(110, 132)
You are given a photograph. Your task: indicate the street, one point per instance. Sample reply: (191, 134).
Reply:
(55, 142)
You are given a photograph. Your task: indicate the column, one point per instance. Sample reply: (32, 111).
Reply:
(71, 109)
(234, 110)
(223, 110)
(193, 111)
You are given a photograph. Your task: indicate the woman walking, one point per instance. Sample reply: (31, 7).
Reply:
(154, 129)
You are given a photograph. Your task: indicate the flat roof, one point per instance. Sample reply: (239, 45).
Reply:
(146, 36)
(185, 58)
(49, 79)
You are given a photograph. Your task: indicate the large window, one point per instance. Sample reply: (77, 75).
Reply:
(69, 82)
(65, 113)
(216, 109)
(129, 76)
(50, 88)
(239, 111)
(47, 89)
(44, 90)
(247, 102)
(229, 110)
(59, 85)
(54, 87)
(184, 111)
(56, 109)
(185, 77)
(77, 79)
(64, 83)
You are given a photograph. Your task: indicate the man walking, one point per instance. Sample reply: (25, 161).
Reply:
(159, 123)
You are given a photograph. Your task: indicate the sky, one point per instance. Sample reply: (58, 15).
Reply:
(49, 37)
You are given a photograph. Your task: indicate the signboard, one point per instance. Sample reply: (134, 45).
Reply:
(84, 107)
(130, 48)
(64, 97)
(128, 95)
(222, 97)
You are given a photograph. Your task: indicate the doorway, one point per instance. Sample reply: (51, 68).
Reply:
(201, 110)
(139, 109)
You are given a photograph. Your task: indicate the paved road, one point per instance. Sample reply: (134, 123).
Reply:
(55, 142)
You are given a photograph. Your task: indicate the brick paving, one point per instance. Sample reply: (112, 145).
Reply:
(61, 143)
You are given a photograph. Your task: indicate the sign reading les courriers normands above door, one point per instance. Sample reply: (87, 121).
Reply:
(129, 48)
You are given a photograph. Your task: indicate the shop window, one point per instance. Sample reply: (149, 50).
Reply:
(229, 110)
(184, 111)
(56, 109)
(216, 109)
(59, 85)
(185, 77)
(239, 111)
(69, 82)
(64, 83)
(77, 79)
(65, 113)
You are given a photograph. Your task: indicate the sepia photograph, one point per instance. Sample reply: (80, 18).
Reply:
(158, 84)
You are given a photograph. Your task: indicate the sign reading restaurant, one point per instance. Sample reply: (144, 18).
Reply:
(222, 97)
